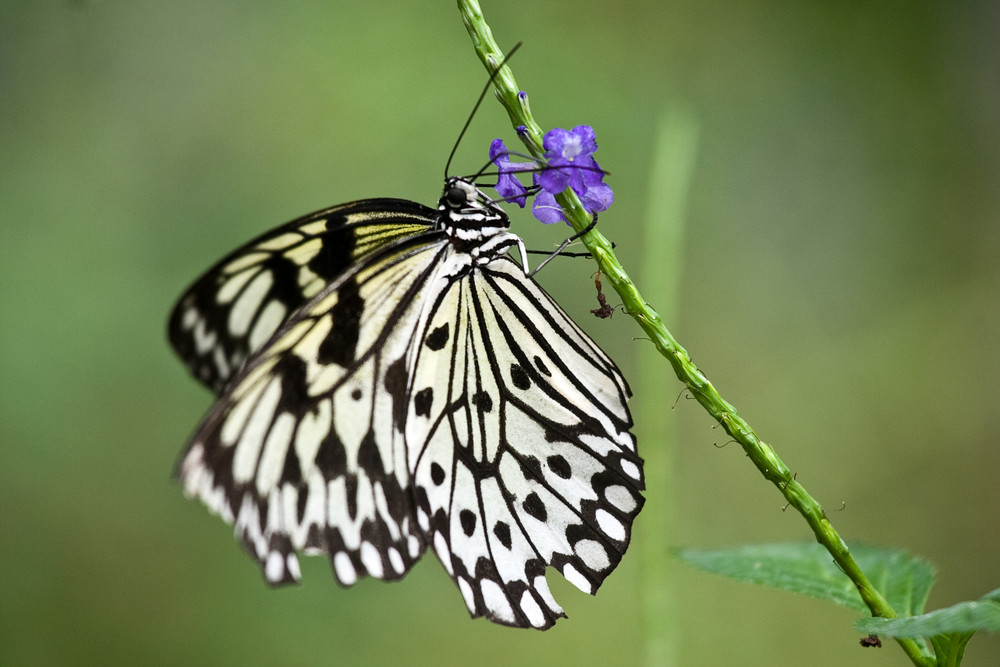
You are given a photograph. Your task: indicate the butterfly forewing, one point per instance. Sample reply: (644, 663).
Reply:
(232, 310)
(301, 451)
(391, 379)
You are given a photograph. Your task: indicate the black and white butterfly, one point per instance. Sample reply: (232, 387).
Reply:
(389, 379)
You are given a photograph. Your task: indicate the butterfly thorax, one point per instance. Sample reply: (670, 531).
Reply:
(474, 224)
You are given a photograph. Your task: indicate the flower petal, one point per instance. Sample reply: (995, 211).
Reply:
(597, 197)
(508, 187)
(554, 140)
(553, 179)
(584, 135)
(546, 209)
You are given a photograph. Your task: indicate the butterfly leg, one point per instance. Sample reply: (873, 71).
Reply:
(562, 246)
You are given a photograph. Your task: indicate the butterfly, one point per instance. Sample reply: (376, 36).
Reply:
(389, 379)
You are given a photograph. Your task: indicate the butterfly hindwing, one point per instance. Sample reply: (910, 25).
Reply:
(236, 306)
(520, 446)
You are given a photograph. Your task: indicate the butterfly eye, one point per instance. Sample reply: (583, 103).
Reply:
(457, 197)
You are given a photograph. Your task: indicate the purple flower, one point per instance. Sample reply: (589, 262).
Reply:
(569, 163)
(569, 154)
(507, 185)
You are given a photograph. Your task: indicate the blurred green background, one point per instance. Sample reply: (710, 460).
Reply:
(839, 283)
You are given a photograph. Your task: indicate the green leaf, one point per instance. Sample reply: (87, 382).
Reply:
(807, 568)
(950, 649)
(964, 617)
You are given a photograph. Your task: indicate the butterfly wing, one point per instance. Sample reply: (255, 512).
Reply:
(237, 305)
(519, 443)
(304, 450)
(382, 389)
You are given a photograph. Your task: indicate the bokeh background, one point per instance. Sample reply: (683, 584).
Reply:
(837, 278)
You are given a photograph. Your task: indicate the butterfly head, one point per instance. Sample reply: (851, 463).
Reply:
(466, 213)
(459, 194)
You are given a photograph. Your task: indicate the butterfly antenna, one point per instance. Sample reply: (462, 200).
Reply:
(493, 76)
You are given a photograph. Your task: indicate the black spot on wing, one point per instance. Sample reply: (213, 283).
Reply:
(340, 346)
(519, 377)
(468, 520)
(437, 474)
(559, 465)
(502, 531)
(437, 338)
(542, 368)
(422, 402)
(534, 506)
(395, 385)
(482, 401)
(532, 467)
(331, 457)
(335, 254)
(369, 458)
(534, 568)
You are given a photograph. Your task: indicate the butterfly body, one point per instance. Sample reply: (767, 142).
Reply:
(389, 379)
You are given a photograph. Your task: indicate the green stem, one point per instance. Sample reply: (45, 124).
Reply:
(762, 455)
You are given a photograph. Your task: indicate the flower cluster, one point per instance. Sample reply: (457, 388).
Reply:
(569, 163)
